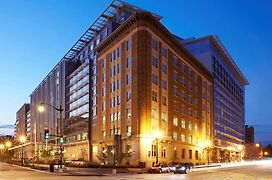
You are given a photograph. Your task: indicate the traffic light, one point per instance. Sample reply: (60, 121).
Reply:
(61, 140)
(46, 134)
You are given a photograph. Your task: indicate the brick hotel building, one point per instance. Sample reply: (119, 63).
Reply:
(126, 79)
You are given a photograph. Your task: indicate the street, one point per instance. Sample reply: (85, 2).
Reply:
(258, 170)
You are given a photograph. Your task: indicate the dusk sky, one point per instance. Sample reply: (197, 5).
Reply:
(35, 35)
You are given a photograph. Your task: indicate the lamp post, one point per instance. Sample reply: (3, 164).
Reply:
(59, 125)
(22, 141)
(157, 135)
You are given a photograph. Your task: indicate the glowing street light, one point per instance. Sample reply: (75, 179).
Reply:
(2, 146)
(22, 139)
(8, 144)
(41, 107)
(257, 145)
(265, 153)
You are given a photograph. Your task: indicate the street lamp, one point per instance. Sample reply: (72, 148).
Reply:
(157, 135)
(265, 153)
(22, 140)
(8, 144)
(257, 145)
(59, 132)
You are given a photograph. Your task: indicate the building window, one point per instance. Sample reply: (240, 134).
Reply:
(129, 62)
(190, 154)
(164, 68)
(163, 154)
(175, 121)
(153, 150)
(129, 44)
(182, 109)
(190, 112)
(103, 134)
(154, 44)
(128, 113)
(128, 130)
(183, 81)
(183, 67)
(164, 101)
(190, 125)
(183, 153)
(154, 79)
(164, 52)
(103, 120)
(128, 79)
(103, 105)
(175, 136)
(190, 139)
(163, 117)
(103, 91)
(175, 90)
(190, 99)
(103, 63)
(154, 113)
(175, 75)
(196, 154)
(183, 95)
(196, 115)
(154, 62)
(128, 95)
(190, 73)
(164, 84)
(154, 96)
(182, 137)
(196, 127)
(175, 61)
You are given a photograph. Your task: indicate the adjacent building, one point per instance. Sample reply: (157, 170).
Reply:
(229, 96)
(249, 133)
(21, 123)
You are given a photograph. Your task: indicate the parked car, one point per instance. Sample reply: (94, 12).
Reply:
(159, 168)
(165, 168)
(155, 169)
(183, 168)
(172, 166)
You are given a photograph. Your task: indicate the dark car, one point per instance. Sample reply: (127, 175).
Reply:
(172, 166)
(183, 168)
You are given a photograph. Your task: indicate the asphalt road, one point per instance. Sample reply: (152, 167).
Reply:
(252, 171)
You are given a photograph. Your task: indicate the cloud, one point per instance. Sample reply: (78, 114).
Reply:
(6, 126)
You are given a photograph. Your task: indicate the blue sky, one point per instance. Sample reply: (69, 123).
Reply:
(34, 36)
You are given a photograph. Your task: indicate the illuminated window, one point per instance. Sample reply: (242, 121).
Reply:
(183, 123)
(154, 113)
(190, 125)
(163, 117)
(103, 120)
(175, 136)
(154, 96)
(182, 137)
(190, 139)
(175, 121)
(196, 127)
